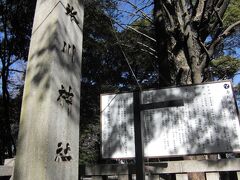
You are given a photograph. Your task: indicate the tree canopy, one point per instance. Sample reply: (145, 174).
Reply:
(15, 27)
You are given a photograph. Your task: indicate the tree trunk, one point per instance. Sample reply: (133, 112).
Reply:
(162, 45)
(6, 127)
(181, 57)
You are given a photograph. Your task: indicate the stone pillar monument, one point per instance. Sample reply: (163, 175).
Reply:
(48, 143)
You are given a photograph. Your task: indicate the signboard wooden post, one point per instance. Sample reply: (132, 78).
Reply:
(138, 132)
(48, 143)
(178, 121)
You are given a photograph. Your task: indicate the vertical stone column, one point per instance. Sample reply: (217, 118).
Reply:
(48, 143)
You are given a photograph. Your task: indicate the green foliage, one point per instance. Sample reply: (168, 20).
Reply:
(100, 55)
(101, 72)
(90, 144)
(141, 54)
(16, 18)
(238, 87)
(225, 67)
(232, 14)
(105, 69)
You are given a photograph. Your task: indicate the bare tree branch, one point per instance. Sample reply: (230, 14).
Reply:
(130, 13)
(223, 8)
(219, 3)
(136, 25)
(205, 60)
(226, 33)
(16, 70)
(126, 59)
(220, 21)
(144, 50)
(169, 16)
(151, 49)
(195, 7)
(137, 31)
(216, 23)
(139, 10)
(198, 10)
(203, 13)
(12, 62)
(126, 45)
(146, 6)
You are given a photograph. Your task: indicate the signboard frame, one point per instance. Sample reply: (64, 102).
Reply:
(143, 107)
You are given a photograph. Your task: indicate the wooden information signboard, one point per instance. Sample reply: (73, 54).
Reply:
(196, 119)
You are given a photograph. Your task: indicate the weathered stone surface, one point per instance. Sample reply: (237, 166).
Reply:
(51, 102)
